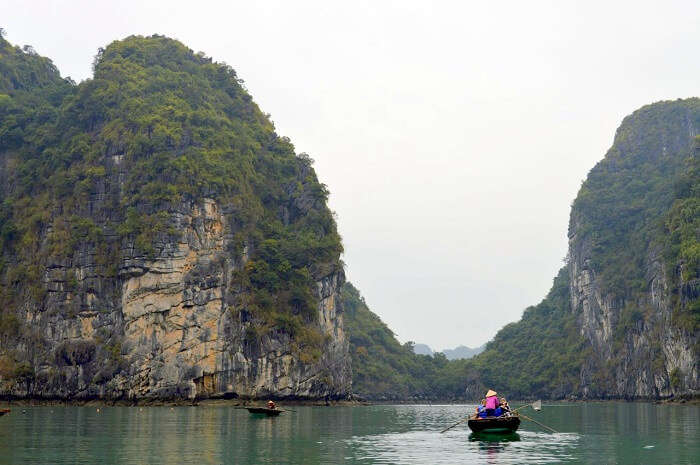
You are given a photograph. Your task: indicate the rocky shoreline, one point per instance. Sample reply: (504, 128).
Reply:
(353, 401)
(35, 402)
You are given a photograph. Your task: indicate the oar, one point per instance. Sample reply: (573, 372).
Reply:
(535, 421)
(537, 405)
(450, 427)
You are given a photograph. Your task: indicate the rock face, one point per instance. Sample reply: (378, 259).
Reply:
(115, 292)
(636, 348)
(171, 333)
(653, 348)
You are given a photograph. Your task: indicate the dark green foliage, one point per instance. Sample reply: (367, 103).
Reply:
(676, 378)
(682, 244)
(24, 372)
(74, 353)
(9, 325)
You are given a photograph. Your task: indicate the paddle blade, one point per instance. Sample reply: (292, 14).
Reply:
(537, 405)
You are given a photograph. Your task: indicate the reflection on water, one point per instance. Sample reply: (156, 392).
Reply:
(382, 434)
(494, 437)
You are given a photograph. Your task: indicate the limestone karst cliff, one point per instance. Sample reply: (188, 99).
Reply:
(623, 316)
(159, 239)
(634, 258)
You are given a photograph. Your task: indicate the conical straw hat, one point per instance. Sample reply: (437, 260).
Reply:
(491, 393)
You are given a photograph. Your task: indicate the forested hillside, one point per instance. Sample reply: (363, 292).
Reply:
(540, 355)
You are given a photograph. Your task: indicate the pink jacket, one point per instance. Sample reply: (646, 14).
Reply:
(492, 402)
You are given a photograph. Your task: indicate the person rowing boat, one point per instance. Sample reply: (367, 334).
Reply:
(501, 419)
(494, 415)
(271, 410)
(492, 403)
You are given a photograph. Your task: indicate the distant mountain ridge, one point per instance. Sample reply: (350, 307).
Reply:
(463, 352)
(422, 349)
(458, 353)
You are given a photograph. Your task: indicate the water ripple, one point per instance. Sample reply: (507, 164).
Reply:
(421, 447)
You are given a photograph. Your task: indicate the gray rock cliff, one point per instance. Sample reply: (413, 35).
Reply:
(163, 329)
(636, 348)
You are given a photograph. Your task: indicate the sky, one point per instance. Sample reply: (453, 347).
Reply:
(453, 135)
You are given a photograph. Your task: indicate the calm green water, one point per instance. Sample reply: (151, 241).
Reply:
(600, 433)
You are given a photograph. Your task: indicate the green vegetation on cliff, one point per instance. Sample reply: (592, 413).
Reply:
(682, 243)
(641, 201)
(31, 90)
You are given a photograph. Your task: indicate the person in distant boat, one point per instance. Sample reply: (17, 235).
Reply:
(491, 403)
(271, 404)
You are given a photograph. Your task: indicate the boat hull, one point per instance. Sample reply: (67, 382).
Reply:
(270, 412)
(494, 425)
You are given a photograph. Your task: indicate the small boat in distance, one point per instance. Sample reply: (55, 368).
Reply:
(270, 412)
(505, 424)
(3, 411)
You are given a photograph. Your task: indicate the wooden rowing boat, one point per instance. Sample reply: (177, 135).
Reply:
(507, 424)
(270, 412)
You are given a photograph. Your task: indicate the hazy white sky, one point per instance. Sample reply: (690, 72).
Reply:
(453, 135)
